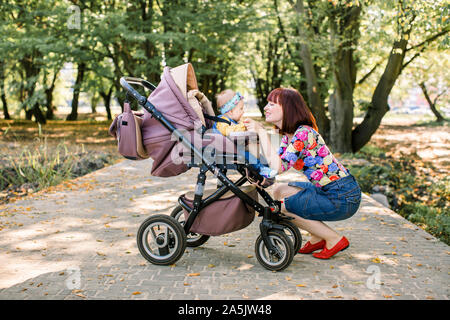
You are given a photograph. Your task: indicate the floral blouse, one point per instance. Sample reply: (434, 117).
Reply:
(308, 153)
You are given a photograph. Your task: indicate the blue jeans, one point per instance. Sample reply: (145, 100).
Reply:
(338, 200)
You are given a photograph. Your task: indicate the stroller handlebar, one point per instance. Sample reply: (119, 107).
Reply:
(126, 83)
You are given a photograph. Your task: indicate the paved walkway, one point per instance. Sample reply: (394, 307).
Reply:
(77, 241)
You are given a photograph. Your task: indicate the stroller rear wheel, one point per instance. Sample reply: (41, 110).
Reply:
(283, 256)
(161, 240)
(192, 239)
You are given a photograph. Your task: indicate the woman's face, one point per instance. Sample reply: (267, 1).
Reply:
(274, 113)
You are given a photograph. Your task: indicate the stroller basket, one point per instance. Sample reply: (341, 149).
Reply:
(173, 118)
(234, 213)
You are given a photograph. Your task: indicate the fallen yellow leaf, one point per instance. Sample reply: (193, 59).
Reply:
(301, 285)
(193, 274)
(136, 293)
(407, 255)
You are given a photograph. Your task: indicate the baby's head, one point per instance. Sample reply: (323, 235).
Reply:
(231, 104)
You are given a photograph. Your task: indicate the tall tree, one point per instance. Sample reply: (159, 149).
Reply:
(411, 16)
(340, 21)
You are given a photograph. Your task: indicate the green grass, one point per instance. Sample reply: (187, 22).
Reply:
(37, 161)
(39, 166)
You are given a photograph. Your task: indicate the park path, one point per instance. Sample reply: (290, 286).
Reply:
(77, 241)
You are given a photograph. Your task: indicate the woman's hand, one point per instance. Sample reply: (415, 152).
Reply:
(252, 125)
(264, 141)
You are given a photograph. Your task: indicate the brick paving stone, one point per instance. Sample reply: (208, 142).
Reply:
(80, 243)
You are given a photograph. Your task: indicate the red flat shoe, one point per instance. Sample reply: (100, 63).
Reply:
(328, 253)
(308, 247)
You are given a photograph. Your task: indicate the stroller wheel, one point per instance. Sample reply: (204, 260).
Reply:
(192, 239)
(283, 256)
(292, 231)
(161, 240)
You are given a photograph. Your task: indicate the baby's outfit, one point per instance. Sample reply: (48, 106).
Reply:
(225, 129)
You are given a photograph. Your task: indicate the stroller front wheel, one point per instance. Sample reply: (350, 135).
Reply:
(283, 256)
(293, 233)
(161, 240)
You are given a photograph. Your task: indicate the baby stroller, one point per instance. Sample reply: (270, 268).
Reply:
(174, 130)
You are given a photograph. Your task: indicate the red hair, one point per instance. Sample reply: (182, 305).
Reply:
(295, 110)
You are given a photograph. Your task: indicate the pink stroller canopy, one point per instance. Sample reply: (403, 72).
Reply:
(171, 99)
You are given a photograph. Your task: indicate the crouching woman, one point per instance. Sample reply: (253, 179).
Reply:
(331, 192)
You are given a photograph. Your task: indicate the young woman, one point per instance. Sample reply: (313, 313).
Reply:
(331, 194)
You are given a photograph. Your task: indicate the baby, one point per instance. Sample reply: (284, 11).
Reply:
(231, 106)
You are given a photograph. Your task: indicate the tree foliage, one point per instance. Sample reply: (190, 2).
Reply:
(342, 55)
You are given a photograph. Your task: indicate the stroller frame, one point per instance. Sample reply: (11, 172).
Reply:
(275, 228)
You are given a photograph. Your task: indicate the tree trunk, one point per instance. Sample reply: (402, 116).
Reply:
(32, 70)
(3, 91)
(379, 104)
(49, 97)
(150, 49)
(172, 49)
(38, 115)
(271, 78)
(313, 90)
(344, 31)
(107, 101)
(94, 101)
(76, 92)
(5, 105)
(439, 117)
